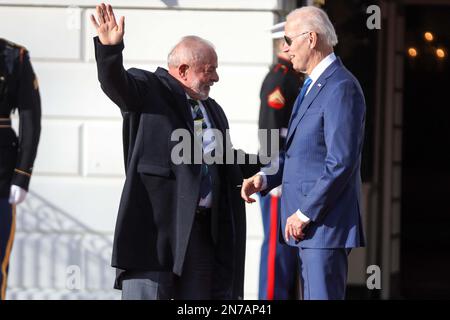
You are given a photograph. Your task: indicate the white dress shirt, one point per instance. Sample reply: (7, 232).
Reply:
(315, 74)
(209, 143)
(319, 69)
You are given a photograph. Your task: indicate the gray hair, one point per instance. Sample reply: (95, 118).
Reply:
(189, 50)
(315, 19)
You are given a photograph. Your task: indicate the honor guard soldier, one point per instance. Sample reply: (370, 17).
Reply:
(279, 263)
(18, 90)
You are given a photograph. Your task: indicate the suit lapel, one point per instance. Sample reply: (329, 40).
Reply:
(311, 96)
(216, 120)
(307, 101)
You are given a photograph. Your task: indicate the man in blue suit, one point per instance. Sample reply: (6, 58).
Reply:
(319, 168)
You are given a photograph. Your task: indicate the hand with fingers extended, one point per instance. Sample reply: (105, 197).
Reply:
(109, 32)
(250, 186)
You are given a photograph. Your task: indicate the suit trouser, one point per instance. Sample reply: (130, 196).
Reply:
(7, 228)
(324, 273)
(279, 262)
(195, 282)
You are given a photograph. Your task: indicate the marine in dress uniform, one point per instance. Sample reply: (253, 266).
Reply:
(278, 264)
(18, 91)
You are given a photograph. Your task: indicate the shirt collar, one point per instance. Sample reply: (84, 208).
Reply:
(200, 102)
(320, 68)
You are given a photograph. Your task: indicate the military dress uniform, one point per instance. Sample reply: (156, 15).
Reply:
(278, 264)
(18, 90)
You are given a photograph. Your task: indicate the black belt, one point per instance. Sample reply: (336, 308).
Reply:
(202, 213)
(5, 123)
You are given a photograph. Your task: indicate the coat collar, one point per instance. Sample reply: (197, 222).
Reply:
(181, 104)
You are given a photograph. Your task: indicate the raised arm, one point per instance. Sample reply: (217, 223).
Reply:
(125, 88)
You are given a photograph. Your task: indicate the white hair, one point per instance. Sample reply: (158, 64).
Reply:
(189, 50)
(315, 19)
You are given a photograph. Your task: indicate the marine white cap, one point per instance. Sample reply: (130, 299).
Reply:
(277, 30)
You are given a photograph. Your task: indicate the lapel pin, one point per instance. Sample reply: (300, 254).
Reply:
(319, 85)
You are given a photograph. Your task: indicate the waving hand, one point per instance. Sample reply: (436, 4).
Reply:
(109, 32)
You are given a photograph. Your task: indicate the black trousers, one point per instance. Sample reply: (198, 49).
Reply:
(196, 280)
(7, 228)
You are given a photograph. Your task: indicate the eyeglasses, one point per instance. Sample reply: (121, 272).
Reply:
(289, 40)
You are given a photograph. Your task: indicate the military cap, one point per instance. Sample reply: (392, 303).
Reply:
(277, 30)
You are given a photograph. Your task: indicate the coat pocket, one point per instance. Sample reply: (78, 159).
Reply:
(157, 179)
(313, 112)
(153, 169)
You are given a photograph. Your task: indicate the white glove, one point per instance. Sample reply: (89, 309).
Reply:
(17, 195)
(276, 192)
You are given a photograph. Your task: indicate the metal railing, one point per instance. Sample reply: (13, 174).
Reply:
(55, 256)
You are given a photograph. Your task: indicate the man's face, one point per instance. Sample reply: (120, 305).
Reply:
(298, 51)
(202, 76)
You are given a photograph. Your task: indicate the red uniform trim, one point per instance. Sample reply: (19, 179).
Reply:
(272, 247)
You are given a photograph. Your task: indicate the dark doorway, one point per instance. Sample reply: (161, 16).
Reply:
(425, 246)
(357, 47)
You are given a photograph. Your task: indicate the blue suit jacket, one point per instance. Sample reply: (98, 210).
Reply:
(320, 167)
